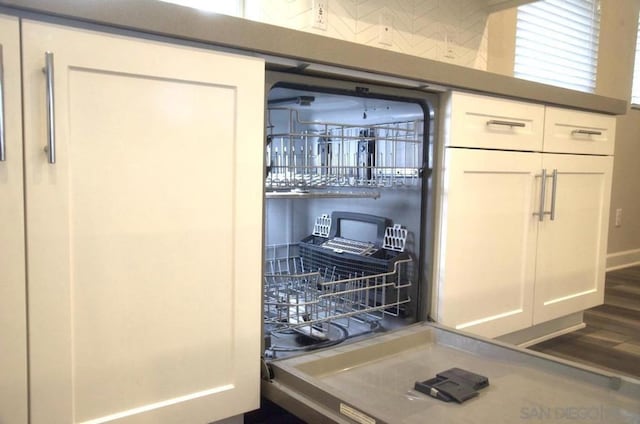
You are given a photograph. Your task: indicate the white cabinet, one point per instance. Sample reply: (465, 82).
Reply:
(143, 245)
(13, 332)
(488, 241)
(501, 266)
(572, 245)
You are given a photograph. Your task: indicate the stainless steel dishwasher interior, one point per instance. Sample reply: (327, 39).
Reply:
(346, 206)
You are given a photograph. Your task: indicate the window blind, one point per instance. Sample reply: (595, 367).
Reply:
(635, 93)
(557, 43)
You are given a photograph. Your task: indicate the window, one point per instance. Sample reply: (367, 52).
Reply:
(557, 43)
(635, 93)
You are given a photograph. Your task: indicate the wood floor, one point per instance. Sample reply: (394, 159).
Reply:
(611, 339)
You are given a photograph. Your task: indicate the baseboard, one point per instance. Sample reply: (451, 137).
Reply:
(552, 335)
(624, 259)
(545, 331)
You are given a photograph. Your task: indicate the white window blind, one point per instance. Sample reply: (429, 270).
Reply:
(635, 94)
(557, 43)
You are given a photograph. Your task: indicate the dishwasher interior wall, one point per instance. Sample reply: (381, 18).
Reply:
(351, 166)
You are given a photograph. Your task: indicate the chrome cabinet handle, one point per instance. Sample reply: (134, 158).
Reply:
(3, 146)
(540, 214)
(51, 129)
(543, 189)
(554, 186)
(586, 132)
(505, 123)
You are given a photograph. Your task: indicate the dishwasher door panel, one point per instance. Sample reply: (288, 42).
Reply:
(371, 381)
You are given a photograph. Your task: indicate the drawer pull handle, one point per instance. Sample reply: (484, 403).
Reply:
(505, 123)
(554, 186)
(51, 129)
(541, 213)
(586, 132)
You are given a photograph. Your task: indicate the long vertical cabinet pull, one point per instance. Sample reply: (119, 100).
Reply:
(51, 145)
(540, 214)
(3, 145)
(554, 185)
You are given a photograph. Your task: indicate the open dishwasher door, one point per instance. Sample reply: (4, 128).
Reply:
(372, 381)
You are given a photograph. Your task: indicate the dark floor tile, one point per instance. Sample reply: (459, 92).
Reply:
(580, 360)
(606, 322)
(623, 301)
(630, 275)
(594, 353)
(629, 347)
(607, 336)
(632, 317)
(270, 413)
(611, 340)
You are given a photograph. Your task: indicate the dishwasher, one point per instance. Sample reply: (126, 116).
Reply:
(348, 232)
(346, 207)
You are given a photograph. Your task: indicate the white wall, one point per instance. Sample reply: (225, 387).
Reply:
(619, 27)
(452, 31)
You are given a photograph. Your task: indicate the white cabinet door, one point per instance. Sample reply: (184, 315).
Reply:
(488, 240)
(13, 319)
(572, 247)
(144, 238)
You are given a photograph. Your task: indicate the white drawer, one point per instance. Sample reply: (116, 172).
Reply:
(571, 131)
(493, 123)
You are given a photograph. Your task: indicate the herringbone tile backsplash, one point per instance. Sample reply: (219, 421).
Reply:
(453, 31)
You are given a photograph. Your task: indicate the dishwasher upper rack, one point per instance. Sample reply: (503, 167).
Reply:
(310, 301)
(316, 154)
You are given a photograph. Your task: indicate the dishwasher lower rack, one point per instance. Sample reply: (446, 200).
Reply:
(306, 309)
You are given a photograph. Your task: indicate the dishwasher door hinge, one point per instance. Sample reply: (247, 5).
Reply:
(266, 372)
(425, 172)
